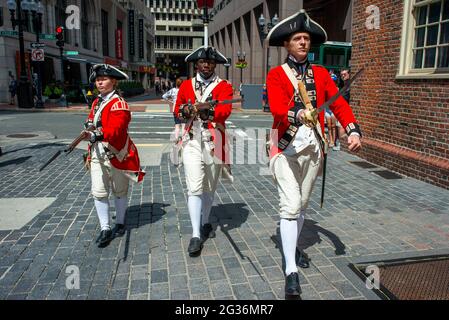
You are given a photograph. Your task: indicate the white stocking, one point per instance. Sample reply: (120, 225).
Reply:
(102, 207)
(289, 234)
(194, 204)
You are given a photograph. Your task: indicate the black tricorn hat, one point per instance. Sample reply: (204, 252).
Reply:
(299, 22)
(209, 53)
(106, 70)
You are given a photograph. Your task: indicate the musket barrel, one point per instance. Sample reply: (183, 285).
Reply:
(51, 159)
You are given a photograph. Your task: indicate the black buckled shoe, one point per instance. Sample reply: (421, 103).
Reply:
(302, 261)
(119, 230)
(105, 238)
(292, 287)
(195, 246)
(207, 231)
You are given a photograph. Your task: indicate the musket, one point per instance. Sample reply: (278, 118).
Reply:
(70, 148)
(212, 103)
(203, 106)
(311, 117)
(199, 106)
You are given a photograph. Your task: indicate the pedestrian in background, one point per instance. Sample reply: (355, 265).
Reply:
(171, 96)
(339, 130)
(345, 75)
(266, 107)
(12, 89)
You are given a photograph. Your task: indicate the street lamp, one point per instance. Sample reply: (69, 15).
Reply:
(175, 70)
(24, 90)
(37, 10)
(265, 28)
(227, 65)
(241, 64)
(205, 4)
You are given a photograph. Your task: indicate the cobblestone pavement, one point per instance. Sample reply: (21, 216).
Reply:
(365, 218)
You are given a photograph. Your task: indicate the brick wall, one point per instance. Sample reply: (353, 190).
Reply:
(405, 122)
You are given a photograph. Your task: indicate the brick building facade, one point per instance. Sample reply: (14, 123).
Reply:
(402, 101)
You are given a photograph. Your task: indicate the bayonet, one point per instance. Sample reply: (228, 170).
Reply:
(340, 92)
(69, 149)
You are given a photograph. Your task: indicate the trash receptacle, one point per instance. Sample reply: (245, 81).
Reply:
(252, 95)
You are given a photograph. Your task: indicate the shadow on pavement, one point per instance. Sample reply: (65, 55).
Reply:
(14, 161)
(309, 236)
(139, 215)
(231, 216)
(136, 217)
(38, 146)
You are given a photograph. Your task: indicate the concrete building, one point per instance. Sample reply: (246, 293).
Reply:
(178, 32)
(120, 33)
(235, 28)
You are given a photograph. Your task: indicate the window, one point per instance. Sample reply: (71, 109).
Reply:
(104, 32)
(425, 39)
(431, 43)
(84, 24)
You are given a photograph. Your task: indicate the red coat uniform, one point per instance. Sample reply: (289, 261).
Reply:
(223, 91)
(281, 91)
(115, 118)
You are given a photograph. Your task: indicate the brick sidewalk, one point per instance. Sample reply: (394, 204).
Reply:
(365, 217)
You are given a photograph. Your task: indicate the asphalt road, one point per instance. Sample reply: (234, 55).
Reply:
(144, 125)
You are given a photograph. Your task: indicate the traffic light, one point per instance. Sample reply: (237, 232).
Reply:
(60, 36)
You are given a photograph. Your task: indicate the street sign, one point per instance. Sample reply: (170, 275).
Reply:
(37, 55)
(71, 53)
(47, 36)
(37, 45)
(10, 33)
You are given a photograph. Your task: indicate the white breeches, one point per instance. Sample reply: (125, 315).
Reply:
(295, 176)
(104, 176)
(202, 169)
